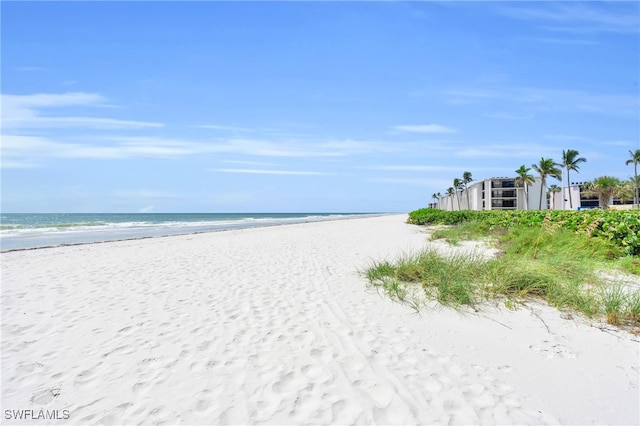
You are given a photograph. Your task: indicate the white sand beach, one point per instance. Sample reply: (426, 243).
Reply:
(276, 326)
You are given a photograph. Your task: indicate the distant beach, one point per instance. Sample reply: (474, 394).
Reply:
(35, 230)
(277, 325)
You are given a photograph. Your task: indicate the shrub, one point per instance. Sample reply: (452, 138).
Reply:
(620, 227)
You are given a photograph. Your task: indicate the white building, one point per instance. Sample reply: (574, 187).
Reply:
(576, 191)
(500, 193)
(569, 198)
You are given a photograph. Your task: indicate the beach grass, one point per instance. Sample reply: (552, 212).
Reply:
(552, 264)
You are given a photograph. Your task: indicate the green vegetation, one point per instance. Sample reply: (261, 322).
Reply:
(553, 255)
(619, 227)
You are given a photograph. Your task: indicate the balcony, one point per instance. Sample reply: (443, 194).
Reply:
(503, 194)
(507, 183)
(503, 204)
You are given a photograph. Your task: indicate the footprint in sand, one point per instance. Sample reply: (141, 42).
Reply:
(380, 394)
(344, 413)
(46, 396)
(285, 384)
(31, 367)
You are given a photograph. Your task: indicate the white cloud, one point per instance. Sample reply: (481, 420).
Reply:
(8, 163)
(270, 172)
(617, 17)
(541, 99)
(26, 112)
(425, 128)
(622, 143)
(144, 193)
(565, 138)
(567, 41)
(507, 116)
(526, 151)
(30, 68)
(427, 168)
(265, 148)
(29, 150)
(226, 128)
(250, 163)
(435, 181)
(53, 100)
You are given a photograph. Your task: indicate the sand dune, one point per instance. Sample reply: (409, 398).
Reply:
(276, 326)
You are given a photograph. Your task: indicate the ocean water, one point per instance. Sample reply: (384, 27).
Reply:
(26, 230)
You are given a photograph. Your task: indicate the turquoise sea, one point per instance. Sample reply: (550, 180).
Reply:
(27, 230)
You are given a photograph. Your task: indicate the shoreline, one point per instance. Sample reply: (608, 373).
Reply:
(277, 325)
(160, 231)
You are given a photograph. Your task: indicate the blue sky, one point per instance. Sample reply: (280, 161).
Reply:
(305, 106)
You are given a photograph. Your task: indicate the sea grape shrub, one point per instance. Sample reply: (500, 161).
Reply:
(624, 230)
(621, 227)
(429, 216)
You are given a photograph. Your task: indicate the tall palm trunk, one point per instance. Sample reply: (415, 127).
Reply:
(569, 190)
(635, 184)
(541, 187)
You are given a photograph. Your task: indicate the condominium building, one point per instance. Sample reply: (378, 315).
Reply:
(574, 197)
(498, 193)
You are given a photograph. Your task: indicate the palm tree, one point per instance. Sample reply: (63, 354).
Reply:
(635, 159)
(466, 180)
(604, 188)
(625, 190)
(450, 193)
(434, 197)
(570, 161)
(546, 167)
(457, 184)
(553, 189)
(525, 179)
(439, 195)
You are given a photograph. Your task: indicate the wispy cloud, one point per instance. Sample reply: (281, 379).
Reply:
(572, 17)
(566, 41)
(32, 151)
(28, 112)
(508, 116)
(435, 181)
(250, 163)
(424, 128)
(428, 168)
(270, 172)
(227, 128)
(623, 143)
(404, 181)
(565, 138)
(525, 151)
(144, 193)
(20, 151)
(30, 68)
(21, 148)
(543, 99)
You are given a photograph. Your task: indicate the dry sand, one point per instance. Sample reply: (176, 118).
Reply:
(276, 326)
